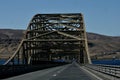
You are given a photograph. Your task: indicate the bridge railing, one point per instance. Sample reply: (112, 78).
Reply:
(112, 70)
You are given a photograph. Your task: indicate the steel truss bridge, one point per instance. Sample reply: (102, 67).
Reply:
(52, 37)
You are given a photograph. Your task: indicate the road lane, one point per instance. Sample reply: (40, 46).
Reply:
(66, 72)
(45, 74)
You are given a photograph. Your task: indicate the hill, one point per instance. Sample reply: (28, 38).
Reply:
(101, 43)
(98, 44)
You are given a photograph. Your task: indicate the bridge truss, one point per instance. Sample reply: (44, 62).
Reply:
(53, 36)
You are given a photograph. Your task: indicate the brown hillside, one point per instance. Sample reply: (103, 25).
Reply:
(9, 40)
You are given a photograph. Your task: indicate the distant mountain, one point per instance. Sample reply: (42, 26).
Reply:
(101, 43)
(9, 40)
(11, 34)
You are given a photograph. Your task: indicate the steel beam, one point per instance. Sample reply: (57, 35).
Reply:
(50, 34)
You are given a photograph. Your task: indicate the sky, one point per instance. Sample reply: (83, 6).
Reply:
(100, 16)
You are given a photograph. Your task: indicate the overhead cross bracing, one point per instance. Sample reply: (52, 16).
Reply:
(53, 36)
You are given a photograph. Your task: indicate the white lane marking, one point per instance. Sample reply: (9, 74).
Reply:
(54, 75)
(59, 71)
(92, 74)
(89, 72)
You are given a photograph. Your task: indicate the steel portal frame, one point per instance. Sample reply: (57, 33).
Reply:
(53, 36)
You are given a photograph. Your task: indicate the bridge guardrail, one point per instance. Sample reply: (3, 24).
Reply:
(112, 70)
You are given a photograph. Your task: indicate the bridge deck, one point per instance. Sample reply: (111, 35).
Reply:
(67, 72)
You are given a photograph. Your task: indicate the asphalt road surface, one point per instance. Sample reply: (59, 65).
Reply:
(66, 72)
